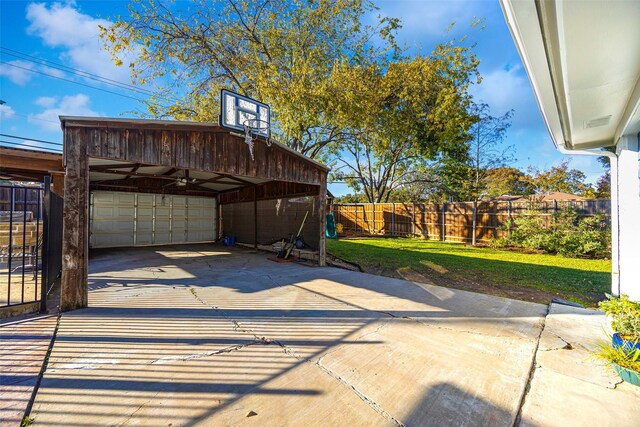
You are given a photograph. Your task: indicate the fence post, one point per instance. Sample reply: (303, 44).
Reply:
(474, 221)
(509, 219)
(373, 218)
(413, 220)
(355, 208)
(443, 226)
(393, 219)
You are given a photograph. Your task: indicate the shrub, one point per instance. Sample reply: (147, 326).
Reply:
(625, 316)
(568, 235)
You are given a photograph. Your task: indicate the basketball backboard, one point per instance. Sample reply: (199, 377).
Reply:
(243, 114)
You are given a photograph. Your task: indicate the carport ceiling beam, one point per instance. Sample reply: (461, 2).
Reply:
(230, 177)
(99, 168)
(140, 174)
(135, 169)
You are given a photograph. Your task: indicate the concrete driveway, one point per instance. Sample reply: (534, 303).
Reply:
(202, 335)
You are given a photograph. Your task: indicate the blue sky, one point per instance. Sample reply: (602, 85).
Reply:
(66, 34)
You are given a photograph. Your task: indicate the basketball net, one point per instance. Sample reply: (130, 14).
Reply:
(251, 127)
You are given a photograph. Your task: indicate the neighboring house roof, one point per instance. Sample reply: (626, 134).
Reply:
(555, 195)
(504, 198)
(583, 61)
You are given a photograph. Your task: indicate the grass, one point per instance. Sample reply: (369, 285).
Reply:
(532, 277)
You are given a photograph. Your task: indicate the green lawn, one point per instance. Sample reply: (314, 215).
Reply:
(532, 277)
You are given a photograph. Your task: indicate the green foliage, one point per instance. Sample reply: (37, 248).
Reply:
(398, 116)
(603, 185)
(351, 198)
(507, 180)
(558, 178)
(625, 315)
(283, 52)
(568, 234)
(621, 357)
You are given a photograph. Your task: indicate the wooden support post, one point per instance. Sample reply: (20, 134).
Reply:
(322, 216)
(219, 209)
(75, 247)
(255, 217)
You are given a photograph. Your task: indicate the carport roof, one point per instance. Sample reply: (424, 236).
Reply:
(109, 122)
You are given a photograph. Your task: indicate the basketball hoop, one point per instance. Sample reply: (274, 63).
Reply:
(240, 113)
(254, 128)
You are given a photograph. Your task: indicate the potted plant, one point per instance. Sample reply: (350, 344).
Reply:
(625, 321)
(625, 362)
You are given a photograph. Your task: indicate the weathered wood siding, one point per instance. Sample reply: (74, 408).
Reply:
(75, 225)
(205, 150)
(268, 191)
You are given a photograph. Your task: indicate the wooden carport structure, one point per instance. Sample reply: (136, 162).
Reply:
(202, 159)
(32, 165)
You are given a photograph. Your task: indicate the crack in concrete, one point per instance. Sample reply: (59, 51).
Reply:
(287, 350)
(369, 401)
(229, 349)
(532, 369)
(138, 409)
(567, 344)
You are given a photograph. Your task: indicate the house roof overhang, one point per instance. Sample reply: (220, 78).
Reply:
(583, 61)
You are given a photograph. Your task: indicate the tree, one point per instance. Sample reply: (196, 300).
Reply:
(507, 180)
(282, 52)
(558, 178)
(603, 186)
(400, 117)
(487, 135)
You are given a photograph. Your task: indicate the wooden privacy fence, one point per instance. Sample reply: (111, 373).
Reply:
(450, 221)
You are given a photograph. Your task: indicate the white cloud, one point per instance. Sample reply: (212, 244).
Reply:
(6, 112)
(17, 71)
(508, 88)
(52, 71)
(72, 105)
(428, 17)
(46, 101)
(63, 26)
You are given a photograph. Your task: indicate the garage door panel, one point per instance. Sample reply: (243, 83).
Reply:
(130, 219)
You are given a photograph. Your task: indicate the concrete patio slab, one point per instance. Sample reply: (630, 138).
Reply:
(24, 346)
(204, 335)
(568, 388)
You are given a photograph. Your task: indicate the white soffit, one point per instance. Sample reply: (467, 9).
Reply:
(583, 60)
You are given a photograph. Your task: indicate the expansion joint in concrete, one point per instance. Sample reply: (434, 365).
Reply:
(532, 370)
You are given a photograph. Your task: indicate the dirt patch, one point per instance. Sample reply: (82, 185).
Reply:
(514, 292)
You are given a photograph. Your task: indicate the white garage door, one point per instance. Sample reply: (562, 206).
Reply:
(136, 219)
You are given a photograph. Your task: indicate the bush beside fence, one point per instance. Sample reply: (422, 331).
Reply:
(451, 221)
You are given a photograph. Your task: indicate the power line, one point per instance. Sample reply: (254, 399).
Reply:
(82, 73)
(15, 144)
(75, 71)
(24, 138)
(72, 81)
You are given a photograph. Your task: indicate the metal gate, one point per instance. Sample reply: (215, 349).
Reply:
(30, 243)
(52, 241)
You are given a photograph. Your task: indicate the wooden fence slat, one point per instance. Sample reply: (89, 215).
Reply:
(450, 221)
